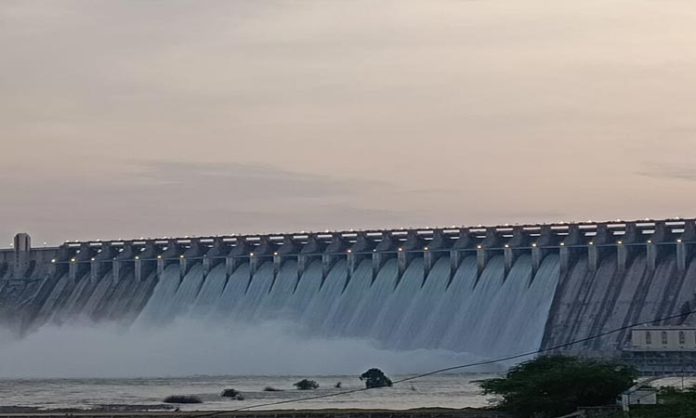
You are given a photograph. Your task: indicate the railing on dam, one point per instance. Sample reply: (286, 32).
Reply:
(595, 240)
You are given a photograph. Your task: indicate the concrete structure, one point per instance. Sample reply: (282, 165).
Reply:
(621, 240)
(662, 350)
(644, 395)
(609, 273)
(664, 338)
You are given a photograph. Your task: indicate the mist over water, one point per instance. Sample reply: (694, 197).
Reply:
(189, 347)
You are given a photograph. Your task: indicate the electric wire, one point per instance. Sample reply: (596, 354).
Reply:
(452, 368)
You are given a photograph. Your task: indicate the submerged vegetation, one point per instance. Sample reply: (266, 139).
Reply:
(556, 385)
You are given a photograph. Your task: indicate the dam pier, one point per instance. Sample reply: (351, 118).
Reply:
(570, 241)
(484, 290)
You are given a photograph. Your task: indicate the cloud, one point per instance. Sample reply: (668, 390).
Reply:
(466, 109)
(165, 198)
(249, 181)
(668, 171)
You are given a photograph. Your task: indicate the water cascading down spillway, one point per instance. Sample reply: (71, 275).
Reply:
(484, 290)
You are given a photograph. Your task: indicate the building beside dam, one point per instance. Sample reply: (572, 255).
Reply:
(491, 291)
(662, 350)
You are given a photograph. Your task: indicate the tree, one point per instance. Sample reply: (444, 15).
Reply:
(375, 378)
(305, 384)
(557, 385)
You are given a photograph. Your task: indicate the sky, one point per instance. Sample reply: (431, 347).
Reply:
(163, 118)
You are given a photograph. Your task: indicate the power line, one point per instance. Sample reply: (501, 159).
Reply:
(458, 367)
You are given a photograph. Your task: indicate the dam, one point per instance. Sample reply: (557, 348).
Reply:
(487, 290)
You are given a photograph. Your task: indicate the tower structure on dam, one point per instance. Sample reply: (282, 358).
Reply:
(451, 288)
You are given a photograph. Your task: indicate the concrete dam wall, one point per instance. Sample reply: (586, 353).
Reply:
(490, 291)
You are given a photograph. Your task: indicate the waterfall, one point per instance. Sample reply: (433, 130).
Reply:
(487, 313)
(210, 292)
(156, 310)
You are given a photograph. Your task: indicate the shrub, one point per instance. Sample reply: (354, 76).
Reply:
(557, 385)
(306, 384)
(182, 399)
(271, 389)
(230, 393)
(375, 378)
